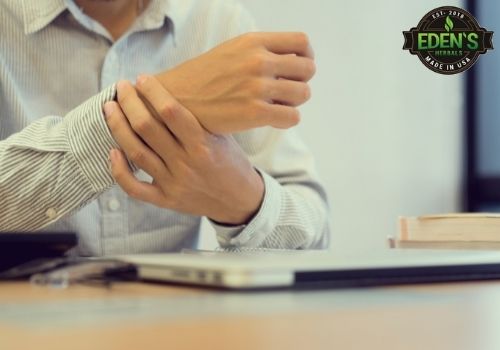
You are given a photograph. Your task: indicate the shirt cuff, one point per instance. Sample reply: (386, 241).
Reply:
(263, 223)
(90, 139)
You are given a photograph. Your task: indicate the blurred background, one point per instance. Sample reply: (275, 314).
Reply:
(390, 136)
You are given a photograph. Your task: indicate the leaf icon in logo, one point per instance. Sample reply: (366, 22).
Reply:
(448, 24)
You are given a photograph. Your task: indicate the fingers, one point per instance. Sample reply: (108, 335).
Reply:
(152, 131)
(290, 93)
(128, 182)
(287, 43)
(132, 145)
(295, 67)
(176, 117)
(280, 116)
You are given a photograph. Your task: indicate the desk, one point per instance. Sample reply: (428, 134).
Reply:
(146, 316)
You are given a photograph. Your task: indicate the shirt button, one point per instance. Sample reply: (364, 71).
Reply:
(51, 213)
(113, 204)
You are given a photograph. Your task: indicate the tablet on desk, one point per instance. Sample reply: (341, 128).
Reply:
(20, 248)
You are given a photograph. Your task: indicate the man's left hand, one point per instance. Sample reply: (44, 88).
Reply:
(193, 171)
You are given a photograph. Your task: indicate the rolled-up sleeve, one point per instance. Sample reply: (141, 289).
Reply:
(294, 211)
(55, 165)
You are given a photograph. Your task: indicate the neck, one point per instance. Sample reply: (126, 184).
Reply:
(117, 16)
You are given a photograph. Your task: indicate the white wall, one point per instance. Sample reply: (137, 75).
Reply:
(386, 131)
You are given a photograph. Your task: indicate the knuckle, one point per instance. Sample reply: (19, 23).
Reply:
(250, 37)
(259, 88)
(172, 197)
(181, 172)
(261, 64)
(137, 156)
(133, 192)
(144, 82)
(202, 152)
(117, 174)
(144, 87)
(123, 97)
(189, 173)
(143, 125)
(169, 110)
(112, 124)
(181, 169)
(258, 113)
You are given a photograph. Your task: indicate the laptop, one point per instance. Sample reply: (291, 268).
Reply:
(254, 270)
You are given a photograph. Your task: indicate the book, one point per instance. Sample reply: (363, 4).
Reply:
(449, 231)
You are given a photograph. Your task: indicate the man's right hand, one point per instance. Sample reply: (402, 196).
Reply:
(256, 79)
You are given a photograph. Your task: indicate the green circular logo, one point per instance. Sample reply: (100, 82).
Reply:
(448, 40)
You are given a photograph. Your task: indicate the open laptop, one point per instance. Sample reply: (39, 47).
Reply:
(315, 268)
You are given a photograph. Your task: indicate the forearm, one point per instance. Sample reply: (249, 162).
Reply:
(54, 166)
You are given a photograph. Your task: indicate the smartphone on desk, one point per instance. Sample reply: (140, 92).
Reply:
(17, 248)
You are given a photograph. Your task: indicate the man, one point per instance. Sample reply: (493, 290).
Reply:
(58, 154)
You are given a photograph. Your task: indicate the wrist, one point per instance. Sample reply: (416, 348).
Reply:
(247, 204)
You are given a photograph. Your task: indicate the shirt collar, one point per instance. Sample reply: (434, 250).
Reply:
(40, 13)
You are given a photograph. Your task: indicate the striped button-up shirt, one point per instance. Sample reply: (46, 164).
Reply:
(58, 67)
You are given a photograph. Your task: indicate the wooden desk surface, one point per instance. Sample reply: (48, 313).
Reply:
(146, 316)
